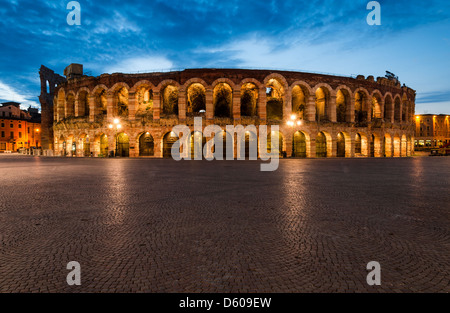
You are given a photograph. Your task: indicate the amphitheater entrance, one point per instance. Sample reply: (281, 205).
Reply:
(275, 147)
(251, 145)
(86, 146)
(321, 146)
(340, 145)
(358, 144)
(198, 141)
(103, 146)
(146, 145)
(226, 139)
(299, 145)
(168, 141)
(123, 145)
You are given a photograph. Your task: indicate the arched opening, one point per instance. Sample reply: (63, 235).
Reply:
(70, 105)
(100, 103)
(197, 142)
(340, 153)
(170, 100)
(196, 99)
(123, 145)
(342, 104)
(249, 100)
(376, 106)
(275, 147)
(321, 146)
(404, 111)
(404, 149)
(397, 110)
(223, 100)
(168, 141)
(146, 145)
(299, 97)
(226, 139)
(83, 103)
(397, 147)
(104, 146)
(387, 146)
(144, 105)
(60, 110)
(121, 102)
(360, 110)
(299, 145)
(275, 94)
(322, 103)
(358, 144)
(85, 145)
(388, 107)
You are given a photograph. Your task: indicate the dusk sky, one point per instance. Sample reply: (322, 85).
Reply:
(316, 35)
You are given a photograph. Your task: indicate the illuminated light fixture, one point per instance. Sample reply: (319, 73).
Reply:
(290, 123)
(172, 134)
(299, 123)
(116, 121)
(147, 133)
(119, 126)
(293, 117)
(110, 126)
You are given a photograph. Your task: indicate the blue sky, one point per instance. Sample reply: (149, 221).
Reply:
(316, 35)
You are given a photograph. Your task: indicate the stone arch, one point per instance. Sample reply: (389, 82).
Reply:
(397, 146)
(70, 104)
(145, 144)
(324, 145)
(168, 140)
(301, 145)
(397, 109)
(100, 100)
(249, 98)
(277, 148)
(196, 97)
(120, 99)
(377, 104)
(387, 145)
(300, 92)
(361, 96)
(82, 102)
(323, 93)
(276, 87)
(224, 81)
(388, 106)
(361, 144)
(223, 100)
(343, 145)
(254, 81)
(169, 93)
(143, 91)
(343, 104)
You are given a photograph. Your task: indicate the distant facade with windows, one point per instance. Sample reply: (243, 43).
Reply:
(432, 131)
(19, 128)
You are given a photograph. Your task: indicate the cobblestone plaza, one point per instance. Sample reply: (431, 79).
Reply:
(154, 225)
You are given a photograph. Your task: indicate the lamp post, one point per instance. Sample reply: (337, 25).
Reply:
(116, 125)
(294, 121)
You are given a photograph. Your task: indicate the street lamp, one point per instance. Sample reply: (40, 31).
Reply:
(294, 121)
(116, 125)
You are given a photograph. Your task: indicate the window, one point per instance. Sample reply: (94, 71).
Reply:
(3, 134)
(28, 130)
(3, 124)
(20, 125)
(12, 134)
(2, 146)
(20, 134)
(11, 125)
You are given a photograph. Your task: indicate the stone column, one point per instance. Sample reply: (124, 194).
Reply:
(236, 105)
(350, 114)
(132, 106)
(333, 148)
(92, 109)
(311, 110)
(182, 105)
(110, 106)
(262, 101)
(331, 110)
(288, 143)
(209, 104)
(369, 109)
(287, 106)
(156, 105)
(312, 149)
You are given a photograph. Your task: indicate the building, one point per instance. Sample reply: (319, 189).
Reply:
(336, 116)
(19, 128)
(432, 131)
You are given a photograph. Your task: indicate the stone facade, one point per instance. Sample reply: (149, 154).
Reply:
(334, 116)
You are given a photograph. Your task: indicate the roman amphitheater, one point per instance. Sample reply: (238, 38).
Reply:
(132, 115)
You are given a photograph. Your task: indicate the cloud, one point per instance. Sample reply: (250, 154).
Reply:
(7, 93)
(434, 97)
(140, 64)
